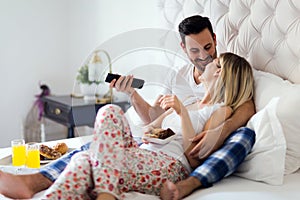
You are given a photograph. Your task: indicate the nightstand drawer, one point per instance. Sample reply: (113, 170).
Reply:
(57, 112)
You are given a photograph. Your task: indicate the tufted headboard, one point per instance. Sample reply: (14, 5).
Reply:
(266, 32)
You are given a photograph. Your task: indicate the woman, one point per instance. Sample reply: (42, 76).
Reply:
(115, 164)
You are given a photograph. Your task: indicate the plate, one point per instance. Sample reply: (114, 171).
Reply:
(45, 161)
(159, 141)
(49, 160)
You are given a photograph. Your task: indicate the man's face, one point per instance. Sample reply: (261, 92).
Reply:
(200, 48)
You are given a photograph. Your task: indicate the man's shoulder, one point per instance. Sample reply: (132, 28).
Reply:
(185, 71)
(185, 68)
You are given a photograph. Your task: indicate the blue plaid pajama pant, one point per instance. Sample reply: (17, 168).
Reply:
(225, 161)
(221, 163)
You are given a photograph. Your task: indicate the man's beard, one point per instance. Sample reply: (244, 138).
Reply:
(200, 64)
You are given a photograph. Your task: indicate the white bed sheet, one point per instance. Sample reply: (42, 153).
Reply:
(230, 188)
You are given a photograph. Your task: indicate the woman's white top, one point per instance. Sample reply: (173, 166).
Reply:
(175, 147)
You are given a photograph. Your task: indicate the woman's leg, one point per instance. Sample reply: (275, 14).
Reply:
(75, 181)
(119, 165)
(220, 164)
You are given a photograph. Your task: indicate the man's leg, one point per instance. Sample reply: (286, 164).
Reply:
(22, 186)
(54, 169)
(220, 164)
(30, 184)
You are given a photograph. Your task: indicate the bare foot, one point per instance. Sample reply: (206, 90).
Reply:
(181, 189)
(27, 185)
(105, 196)
(169, 191)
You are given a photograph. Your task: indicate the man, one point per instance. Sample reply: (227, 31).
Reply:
(197, 35)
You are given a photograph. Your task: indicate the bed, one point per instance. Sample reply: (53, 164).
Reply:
(266, 33)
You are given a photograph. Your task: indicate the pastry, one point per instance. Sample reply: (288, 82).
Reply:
(61, 147)
(160, 133)
(49, 153)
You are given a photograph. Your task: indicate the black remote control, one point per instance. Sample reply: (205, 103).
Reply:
(136, 83)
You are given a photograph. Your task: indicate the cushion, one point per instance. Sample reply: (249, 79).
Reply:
(267, 159)
(268, 86)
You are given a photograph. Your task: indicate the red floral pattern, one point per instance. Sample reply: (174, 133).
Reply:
(115, 164)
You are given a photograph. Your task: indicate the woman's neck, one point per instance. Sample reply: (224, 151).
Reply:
(207, 97)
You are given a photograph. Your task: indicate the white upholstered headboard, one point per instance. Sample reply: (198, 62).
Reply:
(266, 32)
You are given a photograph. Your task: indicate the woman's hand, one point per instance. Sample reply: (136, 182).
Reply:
(171, 101)
(146, 129)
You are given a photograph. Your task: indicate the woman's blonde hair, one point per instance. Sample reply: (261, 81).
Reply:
(235, 85)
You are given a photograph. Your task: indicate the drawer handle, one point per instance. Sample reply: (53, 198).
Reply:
(57, 111)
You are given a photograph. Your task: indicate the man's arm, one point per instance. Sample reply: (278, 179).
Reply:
(146, 112)
(239, 118)
(217, 118)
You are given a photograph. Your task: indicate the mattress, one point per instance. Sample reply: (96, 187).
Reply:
(230, 188)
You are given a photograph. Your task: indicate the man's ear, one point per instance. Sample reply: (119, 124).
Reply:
(215, 39)
(183, 47)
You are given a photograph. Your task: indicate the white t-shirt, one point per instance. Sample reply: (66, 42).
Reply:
(183, 85)
(175, 147)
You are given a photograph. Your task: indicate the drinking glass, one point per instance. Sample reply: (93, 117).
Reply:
(18, 152)
(33, 155)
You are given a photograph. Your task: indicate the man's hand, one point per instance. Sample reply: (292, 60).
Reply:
(208, 142)
(123, 84)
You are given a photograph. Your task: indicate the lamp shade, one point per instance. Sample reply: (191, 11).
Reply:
(96, 68)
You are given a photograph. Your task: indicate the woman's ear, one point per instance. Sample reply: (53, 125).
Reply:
(218, 72)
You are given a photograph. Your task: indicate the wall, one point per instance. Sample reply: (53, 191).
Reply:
(33, 49)
(46, 41)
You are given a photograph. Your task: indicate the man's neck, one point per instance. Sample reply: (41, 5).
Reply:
(196, 74)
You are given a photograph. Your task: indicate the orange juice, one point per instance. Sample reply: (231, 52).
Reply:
(18, 152)
(33, 158)
(33, 155)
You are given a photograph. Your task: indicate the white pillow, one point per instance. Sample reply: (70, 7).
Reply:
(268, 86)
(266, 161)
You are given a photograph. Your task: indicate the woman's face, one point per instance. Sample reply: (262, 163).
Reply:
(211, 72)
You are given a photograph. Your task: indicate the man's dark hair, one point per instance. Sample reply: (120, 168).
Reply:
(194, 25)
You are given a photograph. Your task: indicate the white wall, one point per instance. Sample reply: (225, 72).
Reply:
(48, 40)
(33, 48)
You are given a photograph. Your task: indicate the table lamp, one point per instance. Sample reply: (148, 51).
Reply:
(97, 70)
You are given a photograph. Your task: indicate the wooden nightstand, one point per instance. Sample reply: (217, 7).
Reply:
(71, 111)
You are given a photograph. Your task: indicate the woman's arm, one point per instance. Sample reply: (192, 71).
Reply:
(215, 120)
(188, 132)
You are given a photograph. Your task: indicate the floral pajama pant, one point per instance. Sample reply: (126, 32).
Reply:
(114, 164)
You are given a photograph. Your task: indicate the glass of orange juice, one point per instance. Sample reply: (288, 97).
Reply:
(33, 155)
(18, 152)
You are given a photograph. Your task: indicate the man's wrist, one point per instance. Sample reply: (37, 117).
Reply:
(131, 93)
